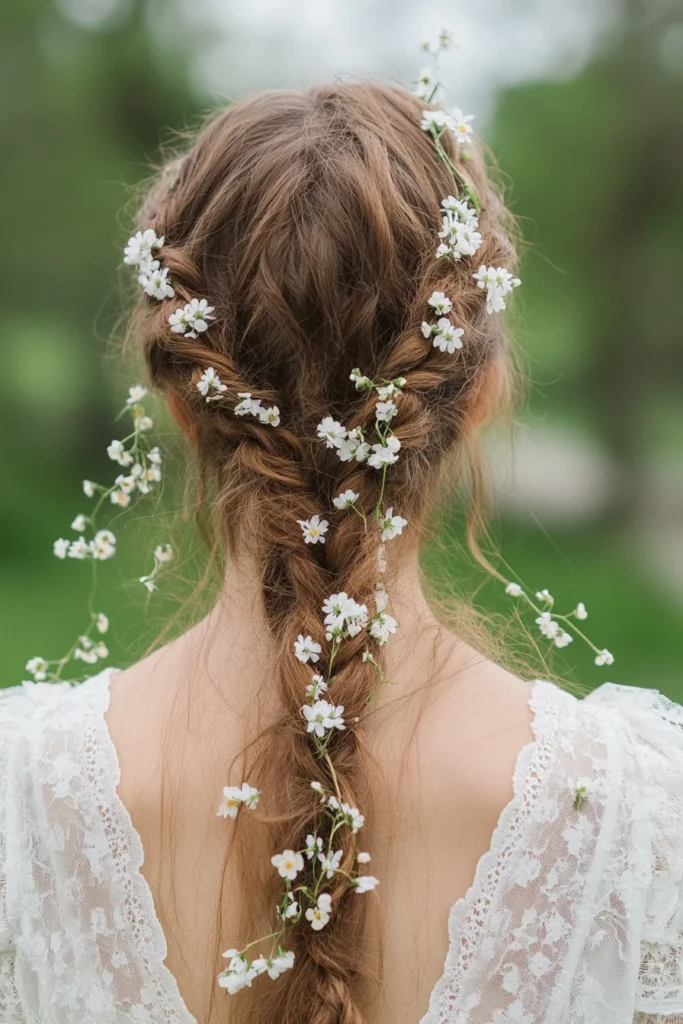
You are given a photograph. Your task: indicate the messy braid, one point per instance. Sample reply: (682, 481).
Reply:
(309, 221)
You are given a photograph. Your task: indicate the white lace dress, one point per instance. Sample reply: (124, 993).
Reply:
(575, 915)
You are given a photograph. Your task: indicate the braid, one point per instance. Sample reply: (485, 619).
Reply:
(308, 220)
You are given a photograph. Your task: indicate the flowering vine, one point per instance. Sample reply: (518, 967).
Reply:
(554, 626)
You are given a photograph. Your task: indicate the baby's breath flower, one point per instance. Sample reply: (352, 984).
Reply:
(392, 525)
(382, 626)
(498, 282)
(580, 611)
(316, 687)
(365, 883)
(363, 858)
(514, 590)
(120, 498)
(385, 411)
(314, 529)
(306, 649)
(192, 319)
(547, 625)
(320, 914)
(143, 423)
(462, 126)
(61, 547)
(234, 797)
(102, 622)
(440, 302)
(163, 553)
(318, 787)
(288, 864)
(345, 499)
(362, 382)
(563, 639)
(546, 596)
(447, 337)
(79, 523)
(154, 280)
(331, 432)
(89, 488)
(427, 87)
(461, 210)
(117, 453)
(80, 549)
(271, 415)
(459, 237)
(314, 845)
(209, 385)
(247, 406)
(604, 658)
(385, 454)
(138, 251)
(154, 456)
(435, 121)
(149, 583)
(322, 716)
(38, 668)
(135, 394)
(329, 865)
(386, 391)
(353, 446)
(291, 910)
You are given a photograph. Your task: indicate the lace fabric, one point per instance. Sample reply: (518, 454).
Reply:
(575, 914)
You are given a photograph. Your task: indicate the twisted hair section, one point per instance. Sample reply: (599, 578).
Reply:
(308, 220)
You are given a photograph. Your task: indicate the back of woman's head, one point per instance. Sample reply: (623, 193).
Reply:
(309, 221)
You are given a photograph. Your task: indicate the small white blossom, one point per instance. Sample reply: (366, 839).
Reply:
(498, 282)
(345, 499)
(385, 411)
(291, 910)
(87, 656)
(102, 623)
(447, 338)
(314, 529)
(154, 280)
(209, 385)
(440, 303)
(462, 126)
(392, 525)
(80, 549)
(581, 612)
(135, 394)
(386, 391)
(247, 406)
(382, 627)
(234, 797)
(317, 786)
(514, 590)
(314, 845)
(143, 423)
(427, 87)
(460, 237)
(61, 547)
(149, 583)
(306, 649)
(563, 639)
(288, 864)
(329, 865)
(547, 625)
(362, 382)
(104, 545)
(435, 121)
(154, 456)
(140, 247)
(38, 668)
(320, 914)
(120, 498)
(353, 446)
(546, 596)
(604, 658)
(316, 687)
(117, 453)
(89, 488)
(365, 883)
(331, 432)
(271, 415)
(163, 553)
(322, 716)
(462, 211)
(79, 524)
(385, 454)
(363, 858)
(192, 319)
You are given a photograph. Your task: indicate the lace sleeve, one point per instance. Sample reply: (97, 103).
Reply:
(655, 724)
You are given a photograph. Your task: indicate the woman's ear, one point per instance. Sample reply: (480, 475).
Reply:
(180, 414)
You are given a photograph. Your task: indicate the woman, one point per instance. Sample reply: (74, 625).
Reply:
(328, 358)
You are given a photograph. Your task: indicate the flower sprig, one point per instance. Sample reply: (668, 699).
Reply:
(94, 541)
(561, 629)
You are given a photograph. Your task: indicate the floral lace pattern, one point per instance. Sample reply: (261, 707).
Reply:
(575, 915)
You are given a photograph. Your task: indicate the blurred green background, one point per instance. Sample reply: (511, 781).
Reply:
(584, 110)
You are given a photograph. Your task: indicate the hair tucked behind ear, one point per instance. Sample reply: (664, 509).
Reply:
(309, 221)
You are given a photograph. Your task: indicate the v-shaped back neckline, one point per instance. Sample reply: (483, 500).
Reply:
(467, 915)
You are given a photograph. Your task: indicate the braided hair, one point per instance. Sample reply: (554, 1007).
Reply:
(308, 220)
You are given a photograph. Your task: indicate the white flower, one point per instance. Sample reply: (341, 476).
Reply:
(436, 121)
(462, 126)
(392, 525)
(271, 415)
(381, 598)
(87, 656)
(381, 558)
(345, 499)
(460, 237)
(462, 210)
(498, 282)
(322, 717)
(354, 446)
(330, 864)
(154, 456)
(365, 883)
(291, 910)
(563, 639)
(362, 382)
(546, 596)
(127, 483)
(61, 547)
(234, 797)
(604, 658)
(363, 858)
(385, 454)
(440, 303)
(277, 965)
(135, 395)
(154, 280)
(80, 549)
(354, 819)
(317, 786)
(427, 329)
(316, 687)
(547, 625)
(514, 590)
(239, 974)
(427, 87)
(163, 553)
(117, 453)
(143, 423)
(210, 382)
(79, 523)
(314, 845)
(336, 607)
(314, 529)
(288, 864)
(38, 668)
(89, 488)
(149, 583)
(306, 649)
(384, 411)
(120, 498)
(103, 545)
(447, 338)
(102, 623)
(320, 914)
(192, 319)
(331, 432)
(139, 249)
(581, 612)
(381, 628)
(248, 406)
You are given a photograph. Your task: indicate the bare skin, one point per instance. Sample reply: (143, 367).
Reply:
(444, 740)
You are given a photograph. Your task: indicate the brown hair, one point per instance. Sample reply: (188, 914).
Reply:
(309, 220)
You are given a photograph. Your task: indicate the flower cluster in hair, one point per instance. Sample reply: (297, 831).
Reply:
(560, 629)
(94, 541)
